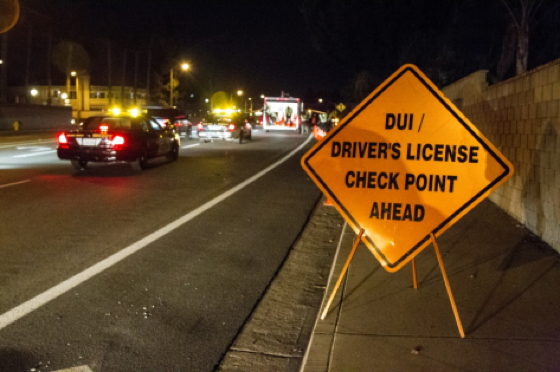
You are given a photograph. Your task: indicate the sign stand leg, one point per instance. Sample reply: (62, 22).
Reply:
(344, 269)
(448, 287)
(414, 274)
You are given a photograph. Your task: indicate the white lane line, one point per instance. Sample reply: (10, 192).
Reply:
(36, 302)
(76, 369)
(15, 144)
(186, 147)
(35, 154)
(13, 184)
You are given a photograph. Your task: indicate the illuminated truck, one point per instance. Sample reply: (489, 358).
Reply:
(282, 113)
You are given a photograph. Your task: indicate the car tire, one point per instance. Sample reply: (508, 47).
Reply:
(141, 162)
(174, 153)
(79, 165)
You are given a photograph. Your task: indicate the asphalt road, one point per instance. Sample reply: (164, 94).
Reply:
(159, 269)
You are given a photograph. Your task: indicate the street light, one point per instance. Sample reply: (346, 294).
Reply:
(184, 67)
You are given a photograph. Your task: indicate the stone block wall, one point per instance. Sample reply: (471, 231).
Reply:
(520, 116)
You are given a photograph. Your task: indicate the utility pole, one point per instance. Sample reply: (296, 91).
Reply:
(28, 61)
(49, 64)
(148, 72)
(123, 79)
(137, 54)
(4, 69)
(171, 88)
(110, 98)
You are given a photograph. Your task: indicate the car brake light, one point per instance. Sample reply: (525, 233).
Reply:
(63, 141)
(200, 126)
(231, 127)
(118, 142)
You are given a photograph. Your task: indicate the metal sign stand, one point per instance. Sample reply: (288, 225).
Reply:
(344, 269)
(448, 287)
(446, 281)
(440, 261)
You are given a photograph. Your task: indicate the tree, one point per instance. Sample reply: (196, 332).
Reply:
(522, 14)
(445, 39)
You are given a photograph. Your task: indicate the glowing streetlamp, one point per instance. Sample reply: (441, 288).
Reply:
(184, 67)
(34, 92)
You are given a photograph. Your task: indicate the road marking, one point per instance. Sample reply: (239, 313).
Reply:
(35, 154)
(76, 369)
(36, 302)
(186, 147)
(13, 184)
(16, 144)
(33, 148)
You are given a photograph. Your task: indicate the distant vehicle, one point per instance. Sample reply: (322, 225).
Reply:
(225, 125)
(282, 113)
(175, 117)
(118, 138)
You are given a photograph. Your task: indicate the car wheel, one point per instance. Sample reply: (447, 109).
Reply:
(141, 162)
(174, 153)
(79, 164)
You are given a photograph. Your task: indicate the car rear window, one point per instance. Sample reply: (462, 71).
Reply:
(112, 123)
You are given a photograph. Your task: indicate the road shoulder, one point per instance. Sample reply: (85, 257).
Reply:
(278, 331)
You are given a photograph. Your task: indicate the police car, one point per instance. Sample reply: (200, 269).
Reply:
(118, 138)
(224, 125)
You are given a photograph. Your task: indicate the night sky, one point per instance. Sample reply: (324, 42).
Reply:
(337, 49)
(257, 46)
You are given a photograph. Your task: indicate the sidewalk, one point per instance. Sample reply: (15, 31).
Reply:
(506, 283)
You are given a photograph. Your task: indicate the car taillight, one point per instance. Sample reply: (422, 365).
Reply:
(117, 142)
(231, 127)
(104, 128)
(200, 126)
(63, 141)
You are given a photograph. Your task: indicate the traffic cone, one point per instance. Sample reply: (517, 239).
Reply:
(329, 202)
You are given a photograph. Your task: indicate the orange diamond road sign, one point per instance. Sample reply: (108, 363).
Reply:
(404, 164)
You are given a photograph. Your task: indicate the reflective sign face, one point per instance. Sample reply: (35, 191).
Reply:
(404, 164)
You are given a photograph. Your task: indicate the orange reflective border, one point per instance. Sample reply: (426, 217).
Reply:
(404, 164)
